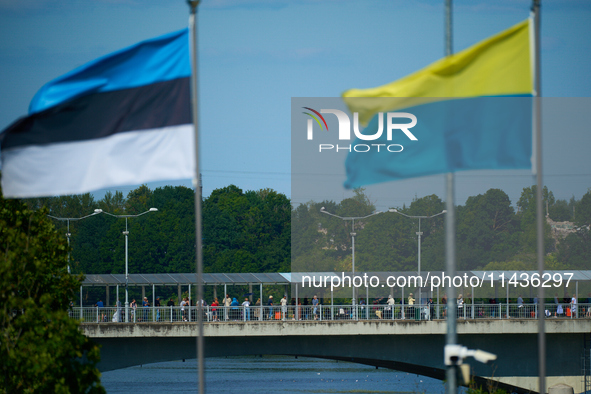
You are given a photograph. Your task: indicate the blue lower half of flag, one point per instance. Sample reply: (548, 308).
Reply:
(452, 135)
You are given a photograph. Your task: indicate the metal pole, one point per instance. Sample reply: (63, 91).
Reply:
(437, 302)
(352, 219)
(199, 253)
(450, 234)
(297, 309)
(508, 301)
(68, 236)
(472, 312)
(353, 262)
(451, 337)
(537, 124)
(331, 303)
(402, 304)
(225, 310)
(419, 233)
(126, 233)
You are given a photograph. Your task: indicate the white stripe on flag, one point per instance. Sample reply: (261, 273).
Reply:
(128, 158)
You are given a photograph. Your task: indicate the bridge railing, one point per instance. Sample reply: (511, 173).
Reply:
(378, 312)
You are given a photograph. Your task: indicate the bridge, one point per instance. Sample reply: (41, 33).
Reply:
(399, 336)
(414, 346)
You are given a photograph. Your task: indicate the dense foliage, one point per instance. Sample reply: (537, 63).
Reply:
(41, 348)
(259, 231)
(491, 234)
(242, 231)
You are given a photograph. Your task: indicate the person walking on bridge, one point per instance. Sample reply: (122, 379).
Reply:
(133, 307)
(183, 303)
(283, 307)
(573, 307)
(246, 306)
(235, 311)
(157, 305)
(315, 306)
(270, 305)
(257, 309)
(227, 303)
(390, 308)
(100, 305)
(214, 309)
(411, 308)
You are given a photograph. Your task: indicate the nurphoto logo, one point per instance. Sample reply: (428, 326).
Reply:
(344, 132)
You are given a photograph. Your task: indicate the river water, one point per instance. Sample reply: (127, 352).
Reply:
(267, 374)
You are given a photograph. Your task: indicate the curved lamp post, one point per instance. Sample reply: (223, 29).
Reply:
(68, 234)
(126, 233)
(352, 219)
(419, 233)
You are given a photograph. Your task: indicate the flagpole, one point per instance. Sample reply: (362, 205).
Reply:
(193, 4)
(450, 234)
(537, 125)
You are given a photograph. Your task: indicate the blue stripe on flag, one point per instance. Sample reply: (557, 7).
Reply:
(155, 60)
(453, 135)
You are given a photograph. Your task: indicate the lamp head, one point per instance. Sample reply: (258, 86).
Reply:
(322, 209)
(153, 209)
(444, 211)
(98, 210)
(392, 210)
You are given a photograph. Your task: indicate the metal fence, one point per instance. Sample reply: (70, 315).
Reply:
(378, 312)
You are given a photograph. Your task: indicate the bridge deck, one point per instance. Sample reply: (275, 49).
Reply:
(322, 328)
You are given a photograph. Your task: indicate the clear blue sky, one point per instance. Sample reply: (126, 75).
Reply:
(257, 54)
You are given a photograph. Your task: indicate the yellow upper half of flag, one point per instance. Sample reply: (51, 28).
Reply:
(498, 66)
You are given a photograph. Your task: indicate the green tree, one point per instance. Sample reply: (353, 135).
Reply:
(527, 217)
(41, 348)
(139, 200)
(433, 238)
(246, 231)
(113, 203)
(560, 211)
(583, 212)
(487, 230)
(575, 249)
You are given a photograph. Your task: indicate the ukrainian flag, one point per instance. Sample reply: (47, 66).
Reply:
(473, 110)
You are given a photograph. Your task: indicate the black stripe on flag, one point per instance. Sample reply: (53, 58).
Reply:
(103, 114)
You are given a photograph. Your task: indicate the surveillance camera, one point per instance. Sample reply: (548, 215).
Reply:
(451, 354)
(455, 355)
(484, 357)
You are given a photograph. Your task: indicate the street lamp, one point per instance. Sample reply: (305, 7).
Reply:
(68, 234)
(126, 233)
(419, 233)
(352, 219)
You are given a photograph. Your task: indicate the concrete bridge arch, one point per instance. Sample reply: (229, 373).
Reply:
(408, 346)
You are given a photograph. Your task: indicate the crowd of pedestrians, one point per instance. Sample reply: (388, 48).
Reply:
(231, 309)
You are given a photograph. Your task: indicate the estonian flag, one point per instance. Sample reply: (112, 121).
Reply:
(119, 120)
(473, 111)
